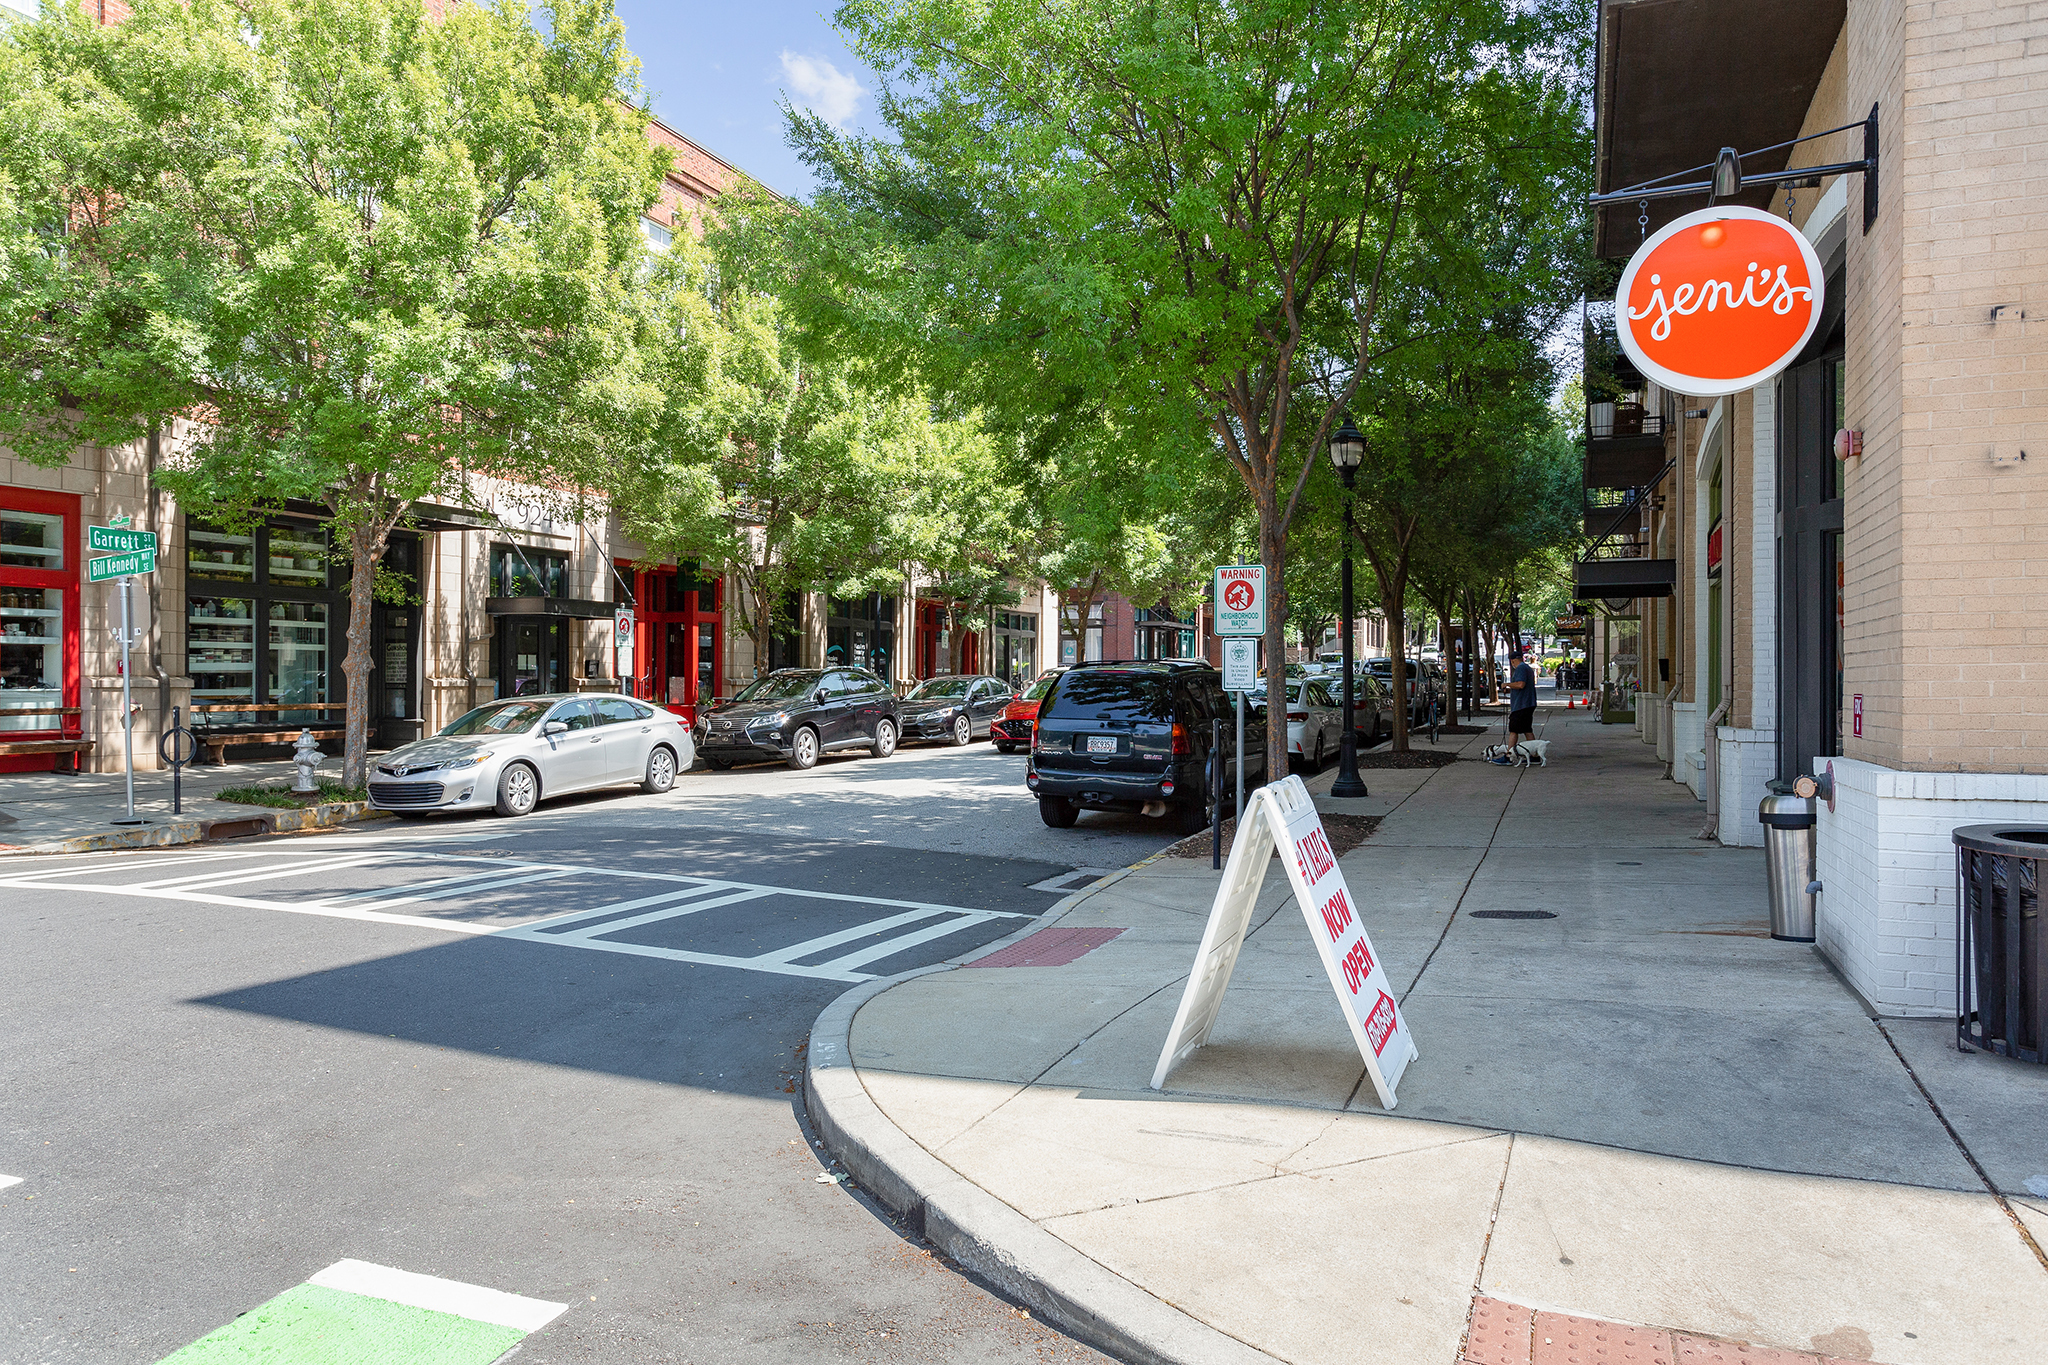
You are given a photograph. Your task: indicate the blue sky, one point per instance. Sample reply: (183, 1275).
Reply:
(717, 71)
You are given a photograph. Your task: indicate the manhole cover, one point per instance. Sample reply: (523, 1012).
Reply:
(1512, 914)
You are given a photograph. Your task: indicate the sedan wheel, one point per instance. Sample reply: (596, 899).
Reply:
(661, 772)
(518, 790)
(963, 731)
(885, 738)
(803, 749)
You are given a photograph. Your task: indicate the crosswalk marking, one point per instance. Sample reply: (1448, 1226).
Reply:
(899, 925)
(241, 876)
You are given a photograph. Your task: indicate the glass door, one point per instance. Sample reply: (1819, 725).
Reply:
(38, 620)
(31, 658)
(220, 654)
(296, 659)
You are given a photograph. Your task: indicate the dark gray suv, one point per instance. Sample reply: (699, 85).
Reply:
(1135, 737)
(799, 715)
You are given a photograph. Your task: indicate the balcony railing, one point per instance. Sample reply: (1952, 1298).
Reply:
(1618, 421)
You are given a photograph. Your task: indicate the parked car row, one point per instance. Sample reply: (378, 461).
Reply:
(1101, 736)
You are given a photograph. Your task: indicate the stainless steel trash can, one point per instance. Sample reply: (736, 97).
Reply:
(1788, 864)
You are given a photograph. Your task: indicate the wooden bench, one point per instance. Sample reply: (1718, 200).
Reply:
(215, 739)
(56, 744)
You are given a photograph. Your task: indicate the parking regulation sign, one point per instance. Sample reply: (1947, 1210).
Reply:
(1241, 599)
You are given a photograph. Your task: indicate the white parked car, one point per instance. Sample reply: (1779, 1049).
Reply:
(1315, 721)
(510, 754)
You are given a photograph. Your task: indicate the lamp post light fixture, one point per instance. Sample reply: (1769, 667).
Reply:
(1347, 452)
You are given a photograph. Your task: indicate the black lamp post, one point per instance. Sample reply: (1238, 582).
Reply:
(1347, 451)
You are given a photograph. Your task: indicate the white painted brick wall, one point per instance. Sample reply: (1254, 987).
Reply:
(1887, 916)
(1688, 744)
(1749, 759)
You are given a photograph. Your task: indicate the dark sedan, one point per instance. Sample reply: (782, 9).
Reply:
(954, 710)
(799, 715)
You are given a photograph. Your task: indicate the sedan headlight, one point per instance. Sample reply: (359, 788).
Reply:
(469, 762)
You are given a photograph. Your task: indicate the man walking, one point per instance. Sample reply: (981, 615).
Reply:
(1521, 700)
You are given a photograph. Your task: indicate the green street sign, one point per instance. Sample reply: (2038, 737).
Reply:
(119, 540)
(120, 566)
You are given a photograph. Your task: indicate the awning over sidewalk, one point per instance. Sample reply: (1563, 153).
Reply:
(1680, 79)
(575, 608)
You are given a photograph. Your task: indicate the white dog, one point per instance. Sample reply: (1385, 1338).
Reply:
(1533, 752)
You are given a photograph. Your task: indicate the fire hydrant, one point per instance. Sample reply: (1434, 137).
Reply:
(306, 754)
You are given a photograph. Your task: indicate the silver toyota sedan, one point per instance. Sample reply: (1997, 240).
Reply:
(508, 755)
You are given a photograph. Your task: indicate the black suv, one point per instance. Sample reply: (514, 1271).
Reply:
(798, 714)
(1135, 737)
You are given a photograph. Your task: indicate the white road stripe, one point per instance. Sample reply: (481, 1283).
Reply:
(470, 887)
(304, 868)
(750, 964)
(6, 1180)
(635, 921)
(621, 907)
(859, 931)
(890, 947)
(497, 868)
(138, 865)
(442, 1296)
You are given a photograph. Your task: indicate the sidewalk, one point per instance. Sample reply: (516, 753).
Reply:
(75, 813)
(1641, 1130)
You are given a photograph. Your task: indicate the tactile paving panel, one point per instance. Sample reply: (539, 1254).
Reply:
(1048, 948)
(1561, 1339)
(1500, 1333)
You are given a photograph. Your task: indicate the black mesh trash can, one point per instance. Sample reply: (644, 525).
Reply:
(2001, 955)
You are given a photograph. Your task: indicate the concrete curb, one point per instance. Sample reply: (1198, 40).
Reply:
(972, 1226)
(192, 830)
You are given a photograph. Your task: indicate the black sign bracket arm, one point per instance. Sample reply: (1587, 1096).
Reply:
(1718, 185)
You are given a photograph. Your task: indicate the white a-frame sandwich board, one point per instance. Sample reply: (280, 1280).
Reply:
(1284, 815)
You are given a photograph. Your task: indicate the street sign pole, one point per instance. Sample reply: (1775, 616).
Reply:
(127, 706)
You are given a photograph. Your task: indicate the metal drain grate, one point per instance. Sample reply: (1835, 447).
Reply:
(1512, 914)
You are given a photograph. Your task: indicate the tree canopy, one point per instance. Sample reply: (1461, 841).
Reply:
(353, 256)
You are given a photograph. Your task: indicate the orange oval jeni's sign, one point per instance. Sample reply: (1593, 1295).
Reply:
(1719, 301)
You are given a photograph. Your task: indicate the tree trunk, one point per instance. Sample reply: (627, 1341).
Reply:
(1397, 650)
(1273, 555)
(366, 548)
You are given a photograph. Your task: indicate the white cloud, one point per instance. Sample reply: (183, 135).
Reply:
(822, 88)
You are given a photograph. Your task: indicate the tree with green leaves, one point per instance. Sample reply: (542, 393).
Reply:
(787, 475)
(1188, 205)
(352, 256)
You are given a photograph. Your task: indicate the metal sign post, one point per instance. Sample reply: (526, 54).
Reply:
(127, 635)
(1240, 675)
(127, 553)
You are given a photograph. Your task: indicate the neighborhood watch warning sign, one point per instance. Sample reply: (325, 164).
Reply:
(1283, 817)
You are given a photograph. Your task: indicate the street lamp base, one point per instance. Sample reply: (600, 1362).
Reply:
(1348, 783)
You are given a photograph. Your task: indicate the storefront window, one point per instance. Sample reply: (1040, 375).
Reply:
(220, 654)
(31, 540)
(31, 656)
(298, 556)
(296, 660)
(38, 618)
(217, 554)
(519, 572)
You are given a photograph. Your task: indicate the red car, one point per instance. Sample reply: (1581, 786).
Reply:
(1012, 730)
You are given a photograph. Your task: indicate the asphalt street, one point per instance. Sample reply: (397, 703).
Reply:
(556, 1056)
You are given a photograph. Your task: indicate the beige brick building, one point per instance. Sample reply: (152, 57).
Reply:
(1871, 615)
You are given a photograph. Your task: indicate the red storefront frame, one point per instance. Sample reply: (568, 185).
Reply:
(64, 580)
(931, 623)
(675, 640)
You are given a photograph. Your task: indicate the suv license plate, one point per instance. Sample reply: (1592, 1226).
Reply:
(1102, 744)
